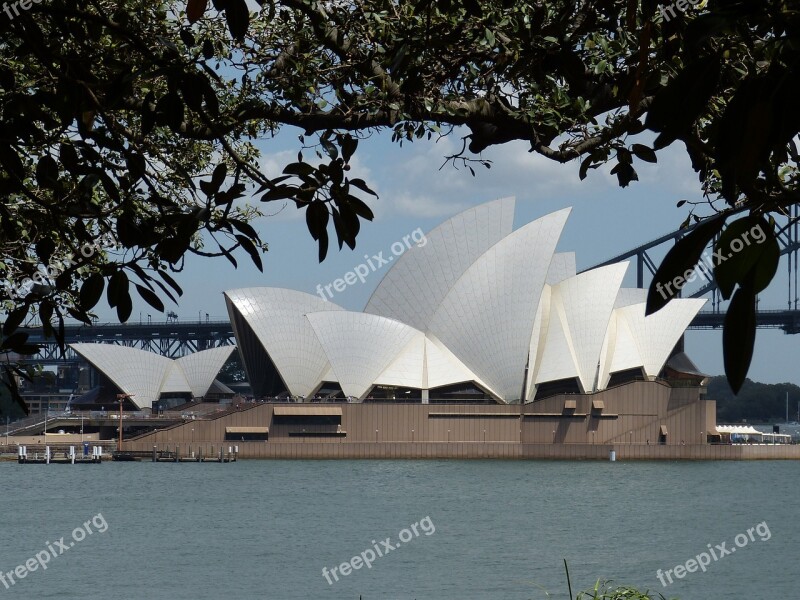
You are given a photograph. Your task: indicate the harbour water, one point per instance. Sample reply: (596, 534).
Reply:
(266, 529)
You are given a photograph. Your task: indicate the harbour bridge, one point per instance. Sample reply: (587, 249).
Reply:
(174, 338)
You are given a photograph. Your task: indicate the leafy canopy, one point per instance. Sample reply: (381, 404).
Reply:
(135, 122)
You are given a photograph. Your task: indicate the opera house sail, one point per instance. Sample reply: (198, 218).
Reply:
(480, 312)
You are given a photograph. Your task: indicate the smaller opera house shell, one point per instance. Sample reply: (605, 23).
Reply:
(150, 381)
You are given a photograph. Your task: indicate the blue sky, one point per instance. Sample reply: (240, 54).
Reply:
(414, 193)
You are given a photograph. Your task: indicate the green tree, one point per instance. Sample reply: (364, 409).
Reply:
(134, 122)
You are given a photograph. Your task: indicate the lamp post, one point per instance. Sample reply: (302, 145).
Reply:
(121, 399)
(412, 435)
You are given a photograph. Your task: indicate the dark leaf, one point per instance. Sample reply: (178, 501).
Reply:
(171, 282)
(681, 259)
(11, 161)
(218, 177)
(739, 336)
(47, 172)
(15, 319)
(299, 168)
(362, 185)
(208, 49)
(349, 145)
(14, 341)
(124, 307)
(117, 288)
(238, 17)
(149, 297)
(137, 166)
(186, 35)
(362, 210)
(44, 249)
(91, 291)
(644, 153)
(195, 9)
(251, 249)
(317, 216)
(746, 251)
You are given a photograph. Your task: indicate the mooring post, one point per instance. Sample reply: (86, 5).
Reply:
(155, 452)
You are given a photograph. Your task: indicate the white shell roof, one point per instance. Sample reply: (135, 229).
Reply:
(628, 296)
(147, 375)
(133, 371)
(277, 317)
(587, 301)
(639, 341)
(443, 366)
(561, 267)
(175, 381)
(475, 302)
(202, 367)
(360, 346)
(408, 368)
(420, 278)
(558, 354)
(486, 318)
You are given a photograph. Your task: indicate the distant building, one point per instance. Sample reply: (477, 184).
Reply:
(153, 381)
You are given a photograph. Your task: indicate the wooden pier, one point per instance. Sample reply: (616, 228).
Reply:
(175, 455)
(61, 456)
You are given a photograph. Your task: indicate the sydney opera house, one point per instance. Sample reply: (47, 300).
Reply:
(477, 312)
(482, 336)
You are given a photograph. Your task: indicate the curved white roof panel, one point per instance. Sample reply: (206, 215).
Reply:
(487, 317)
(133, 371)
(623, 351)
(201, 368)
(587, 301)
(443, 366)
(419, 280)
(561, 267)
(360, 346)
(277, 318)
(657, 334)
(628, 296)
(408, 368)
(174, 381)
